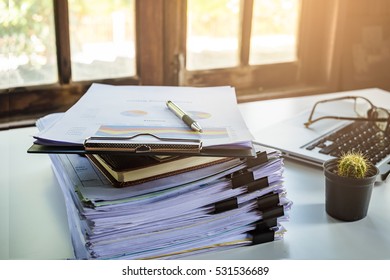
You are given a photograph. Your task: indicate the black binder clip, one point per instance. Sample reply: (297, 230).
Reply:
(274, 212)
(258, 160)
(257, 184)
(247, 179)
(263, 237)
(268, 201)
(264, 225)
(242, 179)
(225, 205)
(264, 231)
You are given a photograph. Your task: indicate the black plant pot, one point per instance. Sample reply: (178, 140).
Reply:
(347, 198)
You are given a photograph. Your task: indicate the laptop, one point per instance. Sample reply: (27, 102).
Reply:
(321, 141)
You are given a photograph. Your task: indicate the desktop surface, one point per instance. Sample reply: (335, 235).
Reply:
(34, 219)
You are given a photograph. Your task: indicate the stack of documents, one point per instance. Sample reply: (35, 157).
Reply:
(166, 206)
(135, 119)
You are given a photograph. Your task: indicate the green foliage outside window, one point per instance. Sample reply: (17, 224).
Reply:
(25, 28)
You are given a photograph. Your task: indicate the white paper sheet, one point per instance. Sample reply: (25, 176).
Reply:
(112, 111)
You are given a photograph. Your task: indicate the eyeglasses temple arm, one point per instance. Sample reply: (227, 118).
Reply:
(310, 121)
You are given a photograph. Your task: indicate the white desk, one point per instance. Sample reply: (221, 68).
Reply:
(34, 223)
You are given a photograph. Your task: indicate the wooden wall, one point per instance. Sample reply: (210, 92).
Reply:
(365, 60)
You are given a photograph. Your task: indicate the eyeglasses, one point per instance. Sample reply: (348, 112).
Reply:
(380, 116)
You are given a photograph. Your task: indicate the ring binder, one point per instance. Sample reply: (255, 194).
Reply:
(142, 143)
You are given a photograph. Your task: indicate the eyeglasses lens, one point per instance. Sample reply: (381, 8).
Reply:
(362, 106)
(381, 113)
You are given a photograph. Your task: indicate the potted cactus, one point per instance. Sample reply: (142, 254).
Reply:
(348, 186)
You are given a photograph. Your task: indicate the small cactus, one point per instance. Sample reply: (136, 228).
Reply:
(353, 164)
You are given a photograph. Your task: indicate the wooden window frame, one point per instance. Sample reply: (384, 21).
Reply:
(160, 58)
(32, 102)
(315, 71)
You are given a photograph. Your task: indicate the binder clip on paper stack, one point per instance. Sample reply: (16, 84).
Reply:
(139, 183)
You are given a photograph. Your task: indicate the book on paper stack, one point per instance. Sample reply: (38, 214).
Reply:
(169, 206)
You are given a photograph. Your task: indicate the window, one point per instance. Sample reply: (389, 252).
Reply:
(102, 39)
(53, 50)
(274, 31)
(214, 30)
(212, 34)
(27, 50)
(280, 45)
(265, 48)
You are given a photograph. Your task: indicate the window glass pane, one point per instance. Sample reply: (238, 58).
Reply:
(212, 34)
(102, 36)
(274, 31)
(27, 43)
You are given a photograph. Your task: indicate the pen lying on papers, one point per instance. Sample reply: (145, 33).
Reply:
(184, 116)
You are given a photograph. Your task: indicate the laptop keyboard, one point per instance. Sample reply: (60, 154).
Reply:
(357, 136)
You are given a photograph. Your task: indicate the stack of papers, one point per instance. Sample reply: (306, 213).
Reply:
(215, 204)
(130, 118)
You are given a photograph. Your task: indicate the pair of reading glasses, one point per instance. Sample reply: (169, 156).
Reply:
(380, 116)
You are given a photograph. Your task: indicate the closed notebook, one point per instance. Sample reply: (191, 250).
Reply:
(123, 170)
